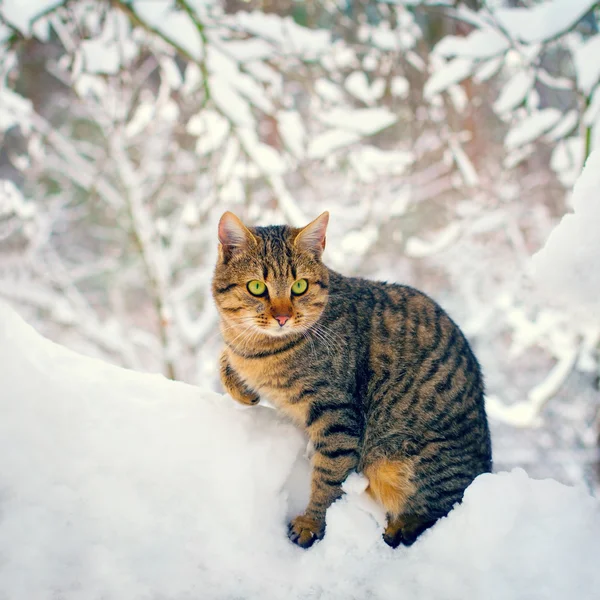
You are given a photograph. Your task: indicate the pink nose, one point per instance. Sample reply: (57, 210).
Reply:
(282, 320)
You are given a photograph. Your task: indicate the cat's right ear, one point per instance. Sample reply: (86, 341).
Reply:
(233, 235)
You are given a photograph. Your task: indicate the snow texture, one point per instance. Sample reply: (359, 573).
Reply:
(21, 13)
(115, 484)
(515, 91)
(479, 44)
(452, 72)
(566, 268)
(587, 64)
(532, 127)
(544, 21)
(367, 121)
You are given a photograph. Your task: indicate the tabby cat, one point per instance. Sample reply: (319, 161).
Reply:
(378, 375)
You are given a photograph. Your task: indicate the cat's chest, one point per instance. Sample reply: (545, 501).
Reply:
(271, 378)
(260, 372)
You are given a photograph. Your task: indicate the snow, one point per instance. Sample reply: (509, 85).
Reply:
(566, 125)
(587, 64)
(479, 44)
(12, 202)
(371, 163)
(357, 84)
(365, 121)
(532, 127)
(464, 165)
(526, 413)
(246, 50)
(292, 131)
(452, 72)
(14, 109)
(488, 69)
(543, 21)
(101, 57)
(326, 143)
(211, 129)
(173, 25)
(566, 268)
(567, 282)
(358, 242)
(400, 87)
(284, 33)
(514, 91)
(117, 484)
(419, 248)
(593, 110)
(567, 158)
(230, 103)
(20, 13)
(111, 50)
(265, 157)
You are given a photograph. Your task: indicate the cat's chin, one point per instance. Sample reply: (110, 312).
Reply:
(280, 332)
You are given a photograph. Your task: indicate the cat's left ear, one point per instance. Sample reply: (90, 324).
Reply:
(312, 237)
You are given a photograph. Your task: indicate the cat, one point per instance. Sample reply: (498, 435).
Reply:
(377, 374)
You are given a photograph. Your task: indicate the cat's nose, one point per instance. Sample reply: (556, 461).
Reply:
(282, 319)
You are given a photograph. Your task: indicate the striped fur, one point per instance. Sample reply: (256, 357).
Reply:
(378, 375)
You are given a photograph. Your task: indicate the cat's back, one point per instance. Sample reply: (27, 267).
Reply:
(407, 319)
(411, 345)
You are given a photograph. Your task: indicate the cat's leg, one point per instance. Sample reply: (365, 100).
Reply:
(234, 386)
(327, 477)
(405, 529)
(391, 484)
(335, 432)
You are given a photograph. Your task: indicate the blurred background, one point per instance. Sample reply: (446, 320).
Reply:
(444, 137)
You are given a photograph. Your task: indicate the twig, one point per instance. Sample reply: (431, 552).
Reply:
(202, 33)
(201, 62)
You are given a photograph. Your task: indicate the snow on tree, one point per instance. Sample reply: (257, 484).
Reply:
(443, 137)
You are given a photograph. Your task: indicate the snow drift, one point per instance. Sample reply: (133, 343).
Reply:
(566, 268)
(120, 485)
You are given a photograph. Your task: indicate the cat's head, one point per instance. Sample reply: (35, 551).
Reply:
(270, 280)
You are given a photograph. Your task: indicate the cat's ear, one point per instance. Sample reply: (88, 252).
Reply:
(233, 234)
(312, 237)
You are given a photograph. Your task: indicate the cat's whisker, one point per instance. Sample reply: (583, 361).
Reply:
(313, 337)
(247, 329)
(313, 347)
(220, 329)
(330, 342)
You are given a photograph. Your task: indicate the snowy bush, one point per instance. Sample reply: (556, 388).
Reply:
(444, 137)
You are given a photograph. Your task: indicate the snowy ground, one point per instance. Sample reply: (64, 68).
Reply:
(120, 485)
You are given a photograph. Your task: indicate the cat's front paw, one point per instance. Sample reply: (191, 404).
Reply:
(245, 399)
(249, 400)
(305, 531)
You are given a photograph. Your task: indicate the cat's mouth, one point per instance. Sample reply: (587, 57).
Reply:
(276, 330)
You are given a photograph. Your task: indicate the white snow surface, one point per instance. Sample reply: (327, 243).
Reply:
(566, 268)
(115, 484)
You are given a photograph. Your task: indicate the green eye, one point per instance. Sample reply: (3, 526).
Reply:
(299, 287)
(256, 287)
